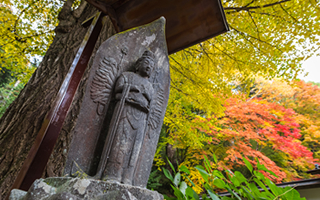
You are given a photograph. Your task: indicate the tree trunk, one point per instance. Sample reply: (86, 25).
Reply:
(21, 122)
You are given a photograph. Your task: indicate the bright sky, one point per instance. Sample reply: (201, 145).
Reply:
(312, 65)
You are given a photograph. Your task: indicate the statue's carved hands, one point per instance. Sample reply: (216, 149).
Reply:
(137, 104)
(134, 88)
(119, 90)
(118, 96)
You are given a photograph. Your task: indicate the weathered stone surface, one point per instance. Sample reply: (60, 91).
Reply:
(17, 194)
(135, 123)
(134, 94)
(64, 188)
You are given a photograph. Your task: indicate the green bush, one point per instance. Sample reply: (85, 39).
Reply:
(257, 187)
(8, 93)
(154, 180)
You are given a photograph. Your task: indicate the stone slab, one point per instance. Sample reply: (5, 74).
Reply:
(65, 188)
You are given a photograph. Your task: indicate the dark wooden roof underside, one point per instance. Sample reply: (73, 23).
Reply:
(188, 22)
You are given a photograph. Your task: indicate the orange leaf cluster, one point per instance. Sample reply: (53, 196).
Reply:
(252, 125)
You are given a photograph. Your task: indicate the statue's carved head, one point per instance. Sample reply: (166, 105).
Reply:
(145, 64)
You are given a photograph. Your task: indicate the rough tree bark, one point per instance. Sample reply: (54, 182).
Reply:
(21, 122)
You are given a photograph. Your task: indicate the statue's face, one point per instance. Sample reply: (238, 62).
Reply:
(146, 67)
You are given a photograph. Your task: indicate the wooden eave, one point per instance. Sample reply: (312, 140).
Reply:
(188, 21)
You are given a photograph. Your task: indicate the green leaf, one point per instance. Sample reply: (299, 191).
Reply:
(240, 177)
(218, 174)
(247, 192)
(292, 194)
(235, 181)
(248, 164)
(226, 198)
(177, 179)
(171, 165)
(191, 181)
(184, 169)
(195, 196)
(215, 158)
(168, 198)
(212, 195)
(240, 191)
(234, 194)
(232, 186)
(207, 186)
(202, 172)
(275, 190)
(219, 183)
(178, 193)
(259, 175)
(262, 198)
(205, 197)
(183, 187)
(167, 174)
(207, 164)
(263, 187)
(191, 193)
(254, 190)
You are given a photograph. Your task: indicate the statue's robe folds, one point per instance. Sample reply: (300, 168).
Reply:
(131, 127)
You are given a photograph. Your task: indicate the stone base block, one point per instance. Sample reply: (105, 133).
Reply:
(65, 188)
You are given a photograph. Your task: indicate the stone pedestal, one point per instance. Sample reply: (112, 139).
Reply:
(65, 188)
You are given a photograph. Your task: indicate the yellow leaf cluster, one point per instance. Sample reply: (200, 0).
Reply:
(26, 31)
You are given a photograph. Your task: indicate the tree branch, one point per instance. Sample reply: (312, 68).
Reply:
(255, 25)
(77, 13)
(246, 8)
(243, 34)
(19, 16)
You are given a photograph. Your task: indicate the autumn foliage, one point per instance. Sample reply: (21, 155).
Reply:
(304, 99)
(256, 125)
(277, 124)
